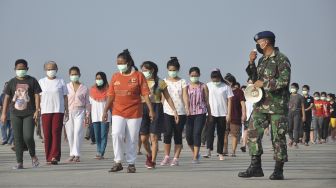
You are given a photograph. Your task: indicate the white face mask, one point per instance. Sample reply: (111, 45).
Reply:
(21, 73)
(51, 73)
(304, 92)
(216, 83)
(99, 82)
(293, 90)
(74, 78)
(122, 68)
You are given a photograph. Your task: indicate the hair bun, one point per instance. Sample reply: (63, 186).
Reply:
(173, 58)
(126, 51)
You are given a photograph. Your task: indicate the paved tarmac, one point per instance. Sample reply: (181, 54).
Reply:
(312, 166)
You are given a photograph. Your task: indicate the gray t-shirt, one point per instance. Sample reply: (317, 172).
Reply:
(295, 102)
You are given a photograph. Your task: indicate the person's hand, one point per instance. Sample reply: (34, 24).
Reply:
(176, 117)
(105, 116)
(187, 111)
(253, 56)
(36, 115)
(3, 119)
(210, 119)
(151, 115)
(66, 116)
(228, 119)
(243, 118)
(87, 120)
(259, 84)
(303, 119)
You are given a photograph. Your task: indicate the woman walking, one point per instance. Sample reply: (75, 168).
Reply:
(124, 95)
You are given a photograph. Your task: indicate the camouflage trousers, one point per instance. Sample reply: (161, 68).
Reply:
(258, 122)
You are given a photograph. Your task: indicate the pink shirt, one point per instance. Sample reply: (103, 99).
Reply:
(79, 99)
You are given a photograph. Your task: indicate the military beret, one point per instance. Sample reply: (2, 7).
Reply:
(265, 34)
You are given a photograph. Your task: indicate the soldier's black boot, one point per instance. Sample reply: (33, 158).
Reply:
(254, 170)
(278, 171)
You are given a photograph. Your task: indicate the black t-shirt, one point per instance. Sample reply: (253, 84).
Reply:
(22, 95)
(333, 110)
(308, 100)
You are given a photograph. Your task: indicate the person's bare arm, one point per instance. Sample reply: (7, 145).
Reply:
(243, 106)
(37, 106)
(150, 107)
(169, 100)
(303, 113)
(185, 99)
(5, 109)
(229, 104)
(109, 103)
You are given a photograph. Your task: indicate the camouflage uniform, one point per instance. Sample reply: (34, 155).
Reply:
(272, 109)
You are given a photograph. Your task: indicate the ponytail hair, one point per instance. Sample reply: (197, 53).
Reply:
(217, 74)
(126, 55)
(152, 66)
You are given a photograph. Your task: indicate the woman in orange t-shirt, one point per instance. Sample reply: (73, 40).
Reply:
(124, 96)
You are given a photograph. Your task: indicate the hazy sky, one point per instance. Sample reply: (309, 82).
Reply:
(209, 34)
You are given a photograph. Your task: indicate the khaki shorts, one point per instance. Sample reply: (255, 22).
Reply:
(234, 129)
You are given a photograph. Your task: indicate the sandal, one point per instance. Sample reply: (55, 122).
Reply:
(76, 159)
(54, 161)
(71, 159)
(35, 163)
(116, 167)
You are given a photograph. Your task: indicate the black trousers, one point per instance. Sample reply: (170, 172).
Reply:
(218, 123)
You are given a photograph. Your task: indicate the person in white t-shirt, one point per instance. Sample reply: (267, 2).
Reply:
(177, 89)
(220, 94)
(54, 109)
(98, 98)
(249, 110)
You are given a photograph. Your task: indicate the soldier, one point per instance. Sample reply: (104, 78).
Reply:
(272, 74)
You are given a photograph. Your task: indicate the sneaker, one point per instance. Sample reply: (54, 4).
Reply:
(131, 168)
(165, 161)
(18, 166)
(306, 144)
(151, 165)
(195, 161)
(290, 143)
(116, 167)
(207, 155)
(148, 160)
(175, 162)
(221, 157)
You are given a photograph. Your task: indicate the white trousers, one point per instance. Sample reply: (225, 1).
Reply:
(125, 136)
(75, 131)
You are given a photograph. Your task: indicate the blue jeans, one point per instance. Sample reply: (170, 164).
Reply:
(101, 133)
(7, 133)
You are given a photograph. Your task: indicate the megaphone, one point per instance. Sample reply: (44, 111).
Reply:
(253, 94)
